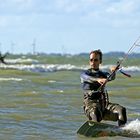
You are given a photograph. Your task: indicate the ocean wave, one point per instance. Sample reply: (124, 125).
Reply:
(60, 67)
(43, 67)
(133, 126)
(10, 79)
(51, 81)
(21, 60)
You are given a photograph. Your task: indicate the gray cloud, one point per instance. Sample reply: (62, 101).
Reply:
(19, 13)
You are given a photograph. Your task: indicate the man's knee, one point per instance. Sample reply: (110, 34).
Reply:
(108, 115)
(96, 115)
(122, 113)
(122, 117)
(119, 113)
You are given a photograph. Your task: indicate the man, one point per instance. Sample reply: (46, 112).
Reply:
(96, 103)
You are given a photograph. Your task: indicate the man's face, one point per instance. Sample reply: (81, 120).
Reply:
(94, 61)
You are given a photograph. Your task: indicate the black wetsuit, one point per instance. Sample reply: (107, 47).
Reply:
(96, 104)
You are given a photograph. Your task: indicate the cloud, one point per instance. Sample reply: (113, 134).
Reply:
(3, 22)
(71, 6)
(122, 13)
(12, 7)
(92, 12)
(123, 7)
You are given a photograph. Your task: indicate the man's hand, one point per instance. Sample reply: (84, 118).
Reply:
(101, 80)
(113, 68)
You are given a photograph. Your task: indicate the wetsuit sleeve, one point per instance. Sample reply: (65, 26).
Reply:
(87, 78)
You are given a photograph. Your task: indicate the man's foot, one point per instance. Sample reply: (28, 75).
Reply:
(121, 123)
(90, 123)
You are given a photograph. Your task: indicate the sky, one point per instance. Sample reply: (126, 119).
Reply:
(68, 26)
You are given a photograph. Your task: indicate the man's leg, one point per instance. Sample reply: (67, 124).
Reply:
(116, 112)
(92, 110)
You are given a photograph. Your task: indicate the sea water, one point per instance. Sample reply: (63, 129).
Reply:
(41, 98)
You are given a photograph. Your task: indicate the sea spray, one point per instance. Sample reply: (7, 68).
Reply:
(133, 126)
(10, 79)
(21, 61)
(59, 67)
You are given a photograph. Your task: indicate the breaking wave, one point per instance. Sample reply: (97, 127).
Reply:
(10, 79)
(132, 130)
(60, 67)
(21, 60)
(43, 67)
(133, 126)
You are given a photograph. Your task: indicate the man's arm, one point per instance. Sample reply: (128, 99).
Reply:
(90, 79)
(86, 78)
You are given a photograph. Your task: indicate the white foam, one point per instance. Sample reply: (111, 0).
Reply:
(21, 60)
(43, 67)
(58, 67)
(132, 68)
(60, 91)
(51, 81)
(133, 126)
(10, 79)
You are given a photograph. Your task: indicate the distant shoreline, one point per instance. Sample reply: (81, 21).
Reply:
(114, 54)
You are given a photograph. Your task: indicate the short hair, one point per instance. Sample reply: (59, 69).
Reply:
(97, 52)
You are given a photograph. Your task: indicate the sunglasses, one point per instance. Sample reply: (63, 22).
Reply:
(95, 60)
